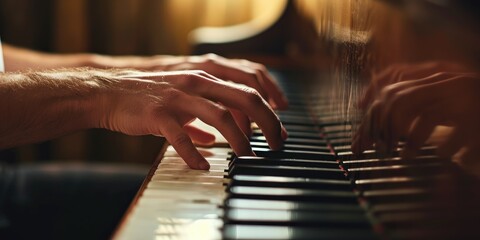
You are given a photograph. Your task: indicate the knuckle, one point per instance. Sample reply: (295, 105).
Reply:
(172, 95)
(261, 67)
(191, 79)
(210, 58)
(388, 92)
(195, 73)
(252, 95)
(223, 115)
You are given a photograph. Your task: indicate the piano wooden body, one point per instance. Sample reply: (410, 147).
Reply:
(315, 188)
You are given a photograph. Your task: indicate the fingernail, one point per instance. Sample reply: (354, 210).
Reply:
(204, 165)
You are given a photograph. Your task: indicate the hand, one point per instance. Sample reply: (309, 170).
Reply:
(163, 103)
(403, 72)
(412, 109)
(248, 73)
(245, 72)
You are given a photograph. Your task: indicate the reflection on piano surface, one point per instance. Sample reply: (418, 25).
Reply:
(315, 188)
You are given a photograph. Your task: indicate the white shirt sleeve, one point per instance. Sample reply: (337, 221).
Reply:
(2, 67)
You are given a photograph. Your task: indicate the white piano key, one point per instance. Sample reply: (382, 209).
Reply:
(173, 200)
(172, 178)
(156, 204)
(179, 202)
(213, 167)
(185, 194)
(178, 160)
(183, 186)
(192, 172)
(191, 214)
(206, 152)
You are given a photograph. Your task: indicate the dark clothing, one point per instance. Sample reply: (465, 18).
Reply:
(65, 201)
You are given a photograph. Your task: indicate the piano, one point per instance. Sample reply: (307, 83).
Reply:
(315, 188)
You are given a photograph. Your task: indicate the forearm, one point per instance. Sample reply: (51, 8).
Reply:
(37, 106)
(20, 59)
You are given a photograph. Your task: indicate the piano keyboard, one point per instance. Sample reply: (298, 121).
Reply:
(313, 189)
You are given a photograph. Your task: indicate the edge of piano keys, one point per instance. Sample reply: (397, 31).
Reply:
(127, 214)
(218, 151)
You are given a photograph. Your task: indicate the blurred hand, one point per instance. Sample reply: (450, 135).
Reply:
(410, 110)
(163, 103)
(403, 72)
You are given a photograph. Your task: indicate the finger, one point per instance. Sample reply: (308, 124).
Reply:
(469, 157)
(268, 86)
(249, 101)
(419, 133)
(228, 70)
(421, 74)
(220, 118)
(367, 97)
(182, 143)
(199, 137)
(452, 145)
(242, 121)
(400, 110)
(273, 90)
(364, 137)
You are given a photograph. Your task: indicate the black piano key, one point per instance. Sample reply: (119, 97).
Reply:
(301, 128)
(391, 161)
(290, 182)
(284, 162)
(339, 135)
(337, 128)
(295, 134)
(287, 171)
(340, 141)
(397, 170)
(295, 110)
(291, 205)
(288, 194)
(292, 140)
(401, 182)
(301, 120)
(332, 121)
(295, 218)
(382, 209)
(265, 152)
(398, 195)
(298, 147)
(426, 151)
(296, 114)
(258, 232)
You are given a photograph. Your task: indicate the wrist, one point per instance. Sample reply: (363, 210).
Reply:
(75, 96)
